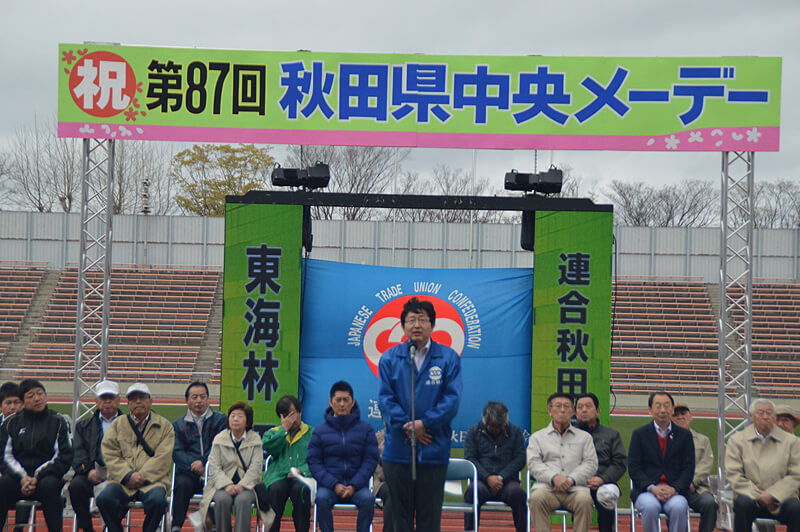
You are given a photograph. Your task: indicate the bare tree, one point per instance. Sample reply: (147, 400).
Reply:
(692, 203)
(44, 170)
(689, 203)
(633, 203)
(410, 183)
(776, 204)
(136, 161)
(354, 169)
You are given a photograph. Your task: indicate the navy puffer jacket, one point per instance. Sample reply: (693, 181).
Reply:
(343, 450)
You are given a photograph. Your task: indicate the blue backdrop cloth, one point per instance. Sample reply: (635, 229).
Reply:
(351, 315)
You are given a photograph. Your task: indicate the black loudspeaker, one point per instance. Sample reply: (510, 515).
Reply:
(528, 224)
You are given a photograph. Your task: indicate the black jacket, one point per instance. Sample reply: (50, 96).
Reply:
(504, 456)
(35, 444)
(611, 458)
(646, 465)
(86, 443)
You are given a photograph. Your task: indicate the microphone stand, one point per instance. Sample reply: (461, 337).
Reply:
(412, 350)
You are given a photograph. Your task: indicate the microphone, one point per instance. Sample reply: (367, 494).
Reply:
(412, 349)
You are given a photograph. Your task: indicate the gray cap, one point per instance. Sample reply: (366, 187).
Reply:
(137, 387)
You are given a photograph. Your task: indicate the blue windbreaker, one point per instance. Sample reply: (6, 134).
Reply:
(437, 393)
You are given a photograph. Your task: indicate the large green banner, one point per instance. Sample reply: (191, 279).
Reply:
(496, 102)
(571, 308)
(261, 313)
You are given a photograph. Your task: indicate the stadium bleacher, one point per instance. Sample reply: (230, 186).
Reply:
(664, 334)
(776, 337)
(18, 284)
(158, 320)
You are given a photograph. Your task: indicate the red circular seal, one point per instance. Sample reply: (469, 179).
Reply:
(384, 329)
(102, 84)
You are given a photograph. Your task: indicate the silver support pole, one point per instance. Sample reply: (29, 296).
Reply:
(736, 299)
(94, 272)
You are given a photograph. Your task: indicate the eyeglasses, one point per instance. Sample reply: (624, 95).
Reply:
(415, 321)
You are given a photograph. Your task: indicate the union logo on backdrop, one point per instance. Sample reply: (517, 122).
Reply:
(385, 331)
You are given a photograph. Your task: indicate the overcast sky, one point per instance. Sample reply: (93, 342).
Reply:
(31, 30)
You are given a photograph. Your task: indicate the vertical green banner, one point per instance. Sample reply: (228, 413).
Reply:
(571, 308)
(261, 313)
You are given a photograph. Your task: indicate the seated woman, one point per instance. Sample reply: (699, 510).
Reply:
(287, 444)
(235, 464)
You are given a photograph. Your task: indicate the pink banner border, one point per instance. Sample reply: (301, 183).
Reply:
(750, 138)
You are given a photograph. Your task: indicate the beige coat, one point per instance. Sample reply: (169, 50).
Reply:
(223, 463)
(123, 455)
(773, 465)
(571, 455)
(703, 461)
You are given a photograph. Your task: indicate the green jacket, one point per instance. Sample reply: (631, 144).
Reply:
(285, 453)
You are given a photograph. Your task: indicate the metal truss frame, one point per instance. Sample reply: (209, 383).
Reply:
(94, 272)
(735, 381)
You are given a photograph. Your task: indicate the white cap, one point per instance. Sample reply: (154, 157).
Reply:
(607, 496)
(106, 388)
(137, 387)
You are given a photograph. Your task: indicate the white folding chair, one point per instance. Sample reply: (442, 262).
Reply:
(459, 470)
(563, 514)
(195, 498)
(560, 512)
(32, 505)
(498, 506)
(339, 506)
(661, 516)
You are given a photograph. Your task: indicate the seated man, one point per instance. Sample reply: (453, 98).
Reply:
(137, 449)
(287, 444)
(611, 459)
(762, 465)
(786, 419)
(497, 449)
(36, 455)
(561, 458)
(700, 498)
(10, 402)
(342, 456)
(194, 434)
(661, 467)
(88, 464)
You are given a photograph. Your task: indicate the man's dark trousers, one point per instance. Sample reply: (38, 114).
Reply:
(186, 485)
(48, 492)
(605, 518)
(426, 502)
(113, 505)
(81, 490)
(745, 510)
(511, 493)
(706, 506)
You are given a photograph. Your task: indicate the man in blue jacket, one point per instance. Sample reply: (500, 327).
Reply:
(342, 456)
(661, 466)
(437, 393)
(194, 434)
